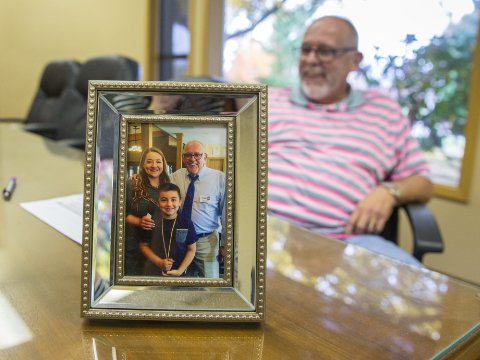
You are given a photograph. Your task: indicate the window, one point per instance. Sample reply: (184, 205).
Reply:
(171, 39)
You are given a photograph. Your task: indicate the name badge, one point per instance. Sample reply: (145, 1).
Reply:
(205, 198)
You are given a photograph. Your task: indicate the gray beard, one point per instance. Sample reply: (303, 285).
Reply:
(315, 92)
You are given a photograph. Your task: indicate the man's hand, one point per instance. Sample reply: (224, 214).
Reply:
(221, 253)
(371, 213)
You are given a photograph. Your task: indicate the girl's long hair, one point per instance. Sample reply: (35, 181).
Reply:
(139, 189)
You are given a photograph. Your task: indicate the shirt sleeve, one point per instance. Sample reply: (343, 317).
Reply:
(146, 236)
(410, 158)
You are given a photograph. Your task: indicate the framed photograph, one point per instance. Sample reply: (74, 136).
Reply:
(175, 201)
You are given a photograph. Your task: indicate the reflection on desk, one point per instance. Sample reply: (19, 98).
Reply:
(368, 301)
(324, 300)
(187, 342)
(367, 284)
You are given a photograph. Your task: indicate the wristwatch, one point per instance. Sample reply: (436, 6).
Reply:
(392, 189)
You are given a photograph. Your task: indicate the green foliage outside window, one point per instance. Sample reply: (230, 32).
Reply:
(432, 85)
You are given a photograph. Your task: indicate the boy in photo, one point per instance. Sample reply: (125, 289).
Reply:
(172, 244)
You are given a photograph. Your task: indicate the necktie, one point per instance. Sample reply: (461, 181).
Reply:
(187, 205)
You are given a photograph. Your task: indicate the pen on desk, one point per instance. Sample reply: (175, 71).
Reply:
(8, 191)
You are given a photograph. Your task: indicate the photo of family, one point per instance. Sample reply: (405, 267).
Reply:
(175, 200)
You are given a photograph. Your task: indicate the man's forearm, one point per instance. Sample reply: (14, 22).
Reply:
(414, 189)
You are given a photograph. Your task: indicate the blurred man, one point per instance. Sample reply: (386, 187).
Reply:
(340, 159)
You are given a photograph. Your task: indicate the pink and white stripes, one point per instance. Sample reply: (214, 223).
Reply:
(324, 159)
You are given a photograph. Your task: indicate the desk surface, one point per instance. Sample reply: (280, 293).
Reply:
(324, 300)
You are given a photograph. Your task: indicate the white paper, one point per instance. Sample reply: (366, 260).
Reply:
(63, 214)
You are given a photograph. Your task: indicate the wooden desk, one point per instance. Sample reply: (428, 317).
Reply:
(324, 300)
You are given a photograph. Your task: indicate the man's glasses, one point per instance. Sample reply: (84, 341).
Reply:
(324, 53)
(197, 156)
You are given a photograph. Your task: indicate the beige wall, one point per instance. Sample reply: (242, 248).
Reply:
(460, 227)
(32, 33)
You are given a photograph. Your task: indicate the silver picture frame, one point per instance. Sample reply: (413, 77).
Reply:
(123, 116)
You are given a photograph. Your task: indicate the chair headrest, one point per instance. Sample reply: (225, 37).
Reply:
(59, 75)
(107, 68)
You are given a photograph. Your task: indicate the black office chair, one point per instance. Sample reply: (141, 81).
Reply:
(426, 233)
(72, 127)
(49, 101)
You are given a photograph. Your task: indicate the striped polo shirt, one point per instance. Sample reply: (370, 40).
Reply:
(323, 159)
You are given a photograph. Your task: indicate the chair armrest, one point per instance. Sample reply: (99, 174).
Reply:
(77, 143)
(46, 129)
(426, 233)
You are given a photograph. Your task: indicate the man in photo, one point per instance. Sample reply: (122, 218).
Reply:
(203, 189)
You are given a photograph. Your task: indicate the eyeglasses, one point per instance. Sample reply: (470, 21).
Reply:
(324, 53)
(197, 156)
